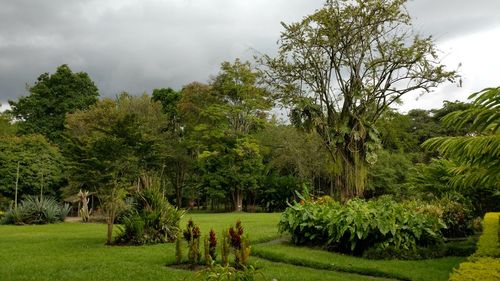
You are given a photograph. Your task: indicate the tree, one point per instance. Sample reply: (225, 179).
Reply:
(342, 67)
(32, 162)
(237, 109)
(179, 159)
(478, 153)
(114, 148)
(50, 99)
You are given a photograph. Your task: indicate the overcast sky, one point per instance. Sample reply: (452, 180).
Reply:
(136, 46)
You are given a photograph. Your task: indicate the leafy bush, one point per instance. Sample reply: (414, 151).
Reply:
(489, 244)
(228, 273)
(359, 225)
(151, 220)
(477, 270)
(484, 264)
(35, 210)
(458, 217)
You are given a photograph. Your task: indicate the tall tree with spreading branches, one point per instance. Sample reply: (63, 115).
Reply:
(342, 67)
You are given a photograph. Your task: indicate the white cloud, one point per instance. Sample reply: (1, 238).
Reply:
(479, 57)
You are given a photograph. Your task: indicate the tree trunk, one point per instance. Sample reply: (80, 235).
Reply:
(17, 182)
(110, 220)
(238, 201)
(178, 196)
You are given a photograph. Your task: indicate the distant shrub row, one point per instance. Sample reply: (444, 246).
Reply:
(484, 264)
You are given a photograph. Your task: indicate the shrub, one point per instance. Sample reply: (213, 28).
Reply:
(228, 273)
(484, 264)
(457, 215)
(478, 270)
(359, 225)
(489, 244)
(35, 210)
(151, 220)
(240, 244)
(192, 235)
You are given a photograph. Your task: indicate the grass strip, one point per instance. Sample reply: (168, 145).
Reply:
(415, 270)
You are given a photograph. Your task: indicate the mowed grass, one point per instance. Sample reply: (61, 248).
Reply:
(418, 270)
(76, 251)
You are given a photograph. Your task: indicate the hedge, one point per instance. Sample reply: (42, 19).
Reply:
(489, 243)
(481, 269)
(484, 264)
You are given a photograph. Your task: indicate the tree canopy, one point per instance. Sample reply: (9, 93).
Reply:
(51, 98)
(342, 67)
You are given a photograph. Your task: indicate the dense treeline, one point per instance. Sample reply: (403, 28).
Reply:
(211, 146)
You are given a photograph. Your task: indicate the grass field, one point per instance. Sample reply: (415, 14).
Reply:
(75, 251)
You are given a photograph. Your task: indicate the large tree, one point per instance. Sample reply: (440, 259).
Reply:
(51, 98)
(115, 147)
(234, 110)
(342, 67)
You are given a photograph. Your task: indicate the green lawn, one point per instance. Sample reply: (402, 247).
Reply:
(75, 251)
(424, 270)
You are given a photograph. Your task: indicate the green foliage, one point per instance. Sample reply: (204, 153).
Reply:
(35, 210)
(389, 174)
(489, 243)
(232, 168)
(484, 264)
(235, 108)
(192, 235)
(359, 225)
(228, 273)
(478, 154)
(152, 219)
(458, 217)
(7, 127)
(114, 139)
(40, 166)
(481, 269)
(178, 248)
(50, 99)
(340, 90)
(239, 243)
(212, 245)
(225, 248)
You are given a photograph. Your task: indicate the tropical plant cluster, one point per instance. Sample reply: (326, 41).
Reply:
(234, 240)
(151, 219)
(36, 210)
(360, 225)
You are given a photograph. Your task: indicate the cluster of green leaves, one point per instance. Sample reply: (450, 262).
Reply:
(359, 225)
(478, 153)
(151, 219)
(36, 210)
(484, 264)
(228, 273)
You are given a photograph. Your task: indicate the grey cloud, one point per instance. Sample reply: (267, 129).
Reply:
(136, 46)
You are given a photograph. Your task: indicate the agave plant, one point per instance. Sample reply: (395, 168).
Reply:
(36, 210)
